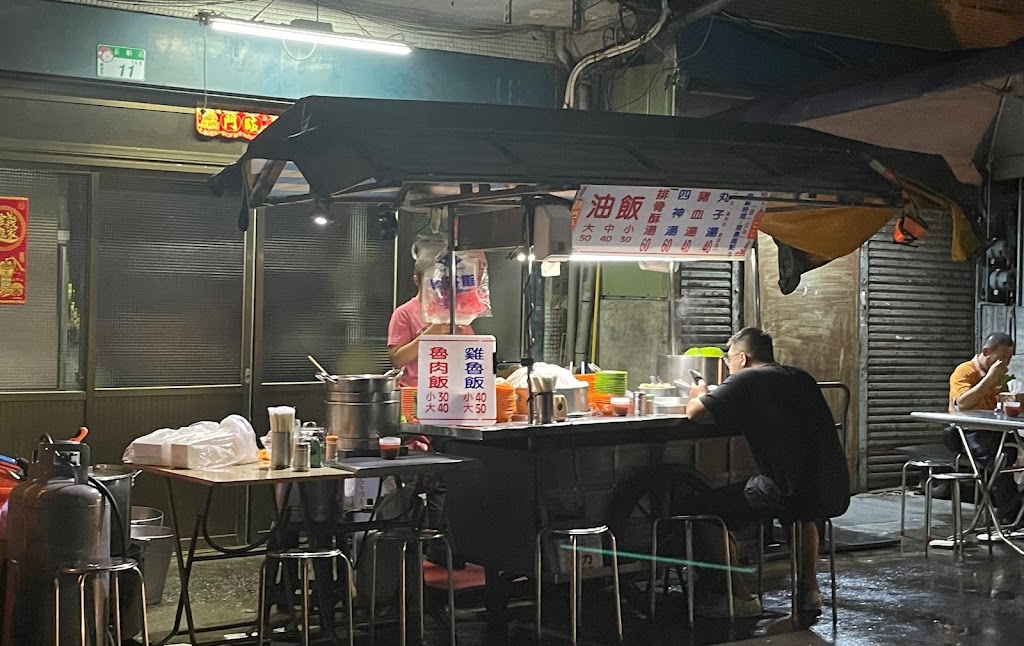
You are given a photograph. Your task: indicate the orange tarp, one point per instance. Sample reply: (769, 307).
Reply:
(829, 232)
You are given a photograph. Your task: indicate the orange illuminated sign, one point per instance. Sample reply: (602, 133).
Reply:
(231, 124)
(13, 249)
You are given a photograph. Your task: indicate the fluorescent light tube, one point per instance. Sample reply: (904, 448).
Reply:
(287, 32)
(596, 257)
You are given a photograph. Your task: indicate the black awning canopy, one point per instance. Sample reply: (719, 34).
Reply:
(365, 149)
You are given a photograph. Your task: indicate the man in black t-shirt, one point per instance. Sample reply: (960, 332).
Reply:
(792, 436)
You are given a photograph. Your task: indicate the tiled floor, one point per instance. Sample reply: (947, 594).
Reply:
(886, 596)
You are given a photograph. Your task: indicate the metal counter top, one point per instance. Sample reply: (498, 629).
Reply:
(577, 426)
(984, 420)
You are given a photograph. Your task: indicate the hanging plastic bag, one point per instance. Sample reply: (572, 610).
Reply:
(203, 445)
(472, 289)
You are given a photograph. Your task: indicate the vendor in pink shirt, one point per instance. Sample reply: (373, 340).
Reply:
(406, 328)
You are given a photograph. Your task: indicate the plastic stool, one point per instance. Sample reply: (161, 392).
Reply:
(794, 565)
(419, 537)
(688, 528)
(303, 556)
(575, 576)
(82, 571)
(922, 463)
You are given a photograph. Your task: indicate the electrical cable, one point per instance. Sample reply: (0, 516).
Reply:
(265, 7)
(766, 27)
(284, 45)
(206, 85)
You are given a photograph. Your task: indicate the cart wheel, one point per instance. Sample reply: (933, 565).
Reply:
(665, 490)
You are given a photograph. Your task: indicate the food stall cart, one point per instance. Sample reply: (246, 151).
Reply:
(491, 169)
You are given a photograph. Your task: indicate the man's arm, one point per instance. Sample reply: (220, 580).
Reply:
(695, 408)
(970, 397)
(403, 355)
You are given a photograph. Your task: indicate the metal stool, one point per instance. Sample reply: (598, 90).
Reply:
(688, 528)
(921, 463)
(794, 566)
(954, 479)
(82, 571)
(419, 537)
(303, 556)
(575, 576)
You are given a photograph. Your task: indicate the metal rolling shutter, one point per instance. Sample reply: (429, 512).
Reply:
(920, 324)
(170, 282)
(327, 292)
(706, 308)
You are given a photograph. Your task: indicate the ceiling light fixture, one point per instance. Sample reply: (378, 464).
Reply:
(287, 32)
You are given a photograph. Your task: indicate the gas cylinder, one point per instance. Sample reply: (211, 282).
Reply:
(55, 518)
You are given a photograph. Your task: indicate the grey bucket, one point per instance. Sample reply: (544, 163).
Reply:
(157, 544)
(147, 516)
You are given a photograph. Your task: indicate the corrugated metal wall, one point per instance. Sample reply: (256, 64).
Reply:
(705, 307)
(315, 296)
(170, 293)
(919, 318)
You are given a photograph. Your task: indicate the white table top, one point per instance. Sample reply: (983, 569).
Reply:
(985, 420)
(241, 475)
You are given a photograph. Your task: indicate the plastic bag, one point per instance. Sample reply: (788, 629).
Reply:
(203, 445)
(472, 290)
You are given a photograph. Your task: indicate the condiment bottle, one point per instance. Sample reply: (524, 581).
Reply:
(315, 453)
(301, 458)
(331, 454)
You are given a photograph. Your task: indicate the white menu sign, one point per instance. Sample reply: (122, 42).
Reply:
(456, 380)
(664, 223)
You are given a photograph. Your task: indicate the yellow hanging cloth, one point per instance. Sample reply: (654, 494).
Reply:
(829, 232)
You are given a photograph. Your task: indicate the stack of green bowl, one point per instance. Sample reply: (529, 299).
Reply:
(612, 382)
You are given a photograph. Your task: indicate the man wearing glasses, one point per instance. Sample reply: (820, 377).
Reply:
(792, 436)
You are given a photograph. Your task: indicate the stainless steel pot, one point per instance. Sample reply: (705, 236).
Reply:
(575, 398)
(677, 366)
(361, 408)
(666, 390)
(670, 405)
(118, 479)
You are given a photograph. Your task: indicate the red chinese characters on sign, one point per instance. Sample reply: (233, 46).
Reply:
(231, 124)
(630, 207)
(655, 221)
(601, 207)
(13, 250)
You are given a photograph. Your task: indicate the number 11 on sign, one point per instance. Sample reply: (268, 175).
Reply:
(121, 63)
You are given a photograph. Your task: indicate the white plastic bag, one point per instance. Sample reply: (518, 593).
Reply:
(203, 445)
(472, 289)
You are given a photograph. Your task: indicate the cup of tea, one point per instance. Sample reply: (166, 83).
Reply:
(390, 447)
(1012, 409)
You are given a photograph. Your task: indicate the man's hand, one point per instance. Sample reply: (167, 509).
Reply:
(698, 389)
(995, 373)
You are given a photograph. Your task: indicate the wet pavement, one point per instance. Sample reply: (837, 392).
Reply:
(891, 595)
